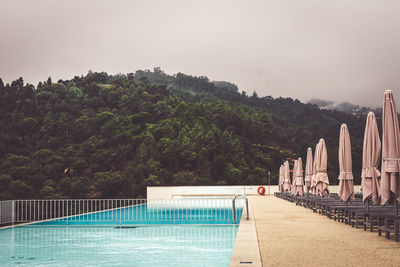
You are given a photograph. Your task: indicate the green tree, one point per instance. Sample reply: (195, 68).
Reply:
(111, 184)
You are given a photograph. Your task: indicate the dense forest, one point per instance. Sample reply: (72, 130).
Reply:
(103, 135)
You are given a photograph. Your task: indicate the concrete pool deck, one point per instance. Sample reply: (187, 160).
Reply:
(289, 235)
(246, 251)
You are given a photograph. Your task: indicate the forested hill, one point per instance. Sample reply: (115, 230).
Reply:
(111, 136)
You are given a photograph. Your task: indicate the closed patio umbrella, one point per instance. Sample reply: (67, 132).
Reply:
(309, 170)
(370, 160)
(390, 184)
(280, 185)
(279, 179)
(313, 187)
(346, 183)
(299, 177)
(293, 189)
(321, 170)
(286, 177)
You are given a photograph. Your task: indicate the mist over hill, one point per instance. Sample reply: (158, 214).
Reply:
(345, 107)
(100, 135)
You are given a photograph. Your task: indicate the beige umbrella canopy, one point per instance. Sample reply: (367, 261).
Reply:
(293, 189)
(280, 185)
(313, 187)
(279, 177)
(286, 177)
(370, 160)
(299, 178)
(309, 170)
(346, 183)
(321, 168)
(314, 176)
(390, 184)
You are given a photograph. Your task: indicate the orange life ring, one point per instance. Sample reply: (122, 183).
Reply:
(261, 190)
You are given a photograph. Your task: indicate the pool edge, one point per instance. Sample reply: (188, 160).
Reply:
(246, 251)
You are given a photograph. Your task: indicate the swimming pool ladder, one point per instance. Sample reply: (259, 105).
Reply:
(234, 207)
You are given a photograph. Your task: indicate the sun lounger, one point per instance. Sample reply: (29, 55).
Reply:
(389, 224)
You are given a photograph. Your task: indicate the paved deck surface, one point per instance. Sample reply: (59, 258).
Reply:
(246, 251)
(289, 235)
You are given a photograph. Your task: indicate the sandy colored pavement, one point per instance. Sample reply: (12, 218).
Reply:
(289, 235)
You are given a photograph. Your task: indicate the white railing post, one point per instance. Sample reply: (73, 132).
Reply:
(12, 212)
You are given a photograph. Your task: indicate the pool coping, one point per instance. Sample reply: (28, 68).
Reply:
(246, 251)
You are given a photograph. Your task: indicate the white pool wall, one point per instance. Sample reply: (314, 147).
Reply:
(174, 192)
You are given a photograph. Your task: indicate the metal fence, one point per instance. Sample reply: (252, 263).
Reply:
(6, 211)
(119, 211)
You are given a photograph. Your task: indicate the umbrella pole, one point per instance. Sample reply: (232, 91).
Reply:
(367, 204)
(396, 208)
(315, 200)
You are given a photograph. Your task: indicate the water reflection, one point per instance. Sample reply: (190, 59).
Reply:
(142, 246)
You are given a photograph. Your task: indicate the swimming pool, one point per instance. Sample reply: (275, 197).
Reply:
(152, 233)
(165, 245)
(146, 214)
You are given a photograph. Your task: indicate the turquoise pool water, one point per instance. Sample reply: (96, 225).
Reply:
(152, 214)
(151, 234)
(165, 245)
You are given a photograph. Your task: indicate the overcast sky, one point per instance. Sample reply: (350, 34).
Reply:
(336, 50)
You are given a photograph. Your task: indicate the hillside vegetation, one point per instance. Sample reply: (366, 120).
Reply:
(103, 135)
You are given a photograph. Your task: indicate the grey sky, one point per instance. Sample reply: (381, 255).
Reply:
(345, 50)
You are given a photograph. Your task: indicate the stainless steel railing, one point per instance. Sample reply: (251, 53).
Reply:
(234, 207)
(73, 211)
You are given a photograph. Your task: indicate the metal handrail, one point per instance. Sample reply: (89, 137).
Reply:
(234, 207)
(117, 211)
